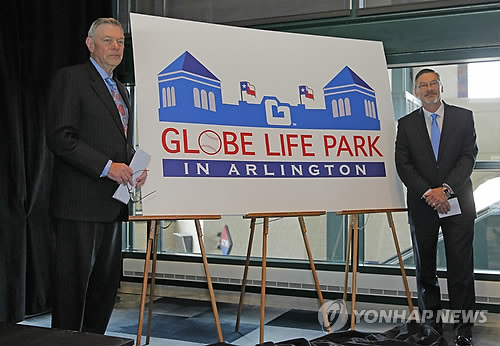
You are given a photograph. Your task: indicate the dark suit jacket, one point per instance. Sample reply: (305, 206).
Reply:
(84, 131)
(420, 171)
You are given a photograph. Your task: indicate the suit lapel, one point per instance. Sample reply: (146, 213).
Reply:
(447, 129)
(103, 93)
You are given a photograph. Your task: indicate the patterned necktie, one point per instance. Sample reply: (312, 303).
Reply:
(435, 134)
(118, 101)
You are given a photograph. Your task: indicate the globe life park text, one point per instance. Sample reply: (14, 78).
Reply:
(336, 314)
(308, 153)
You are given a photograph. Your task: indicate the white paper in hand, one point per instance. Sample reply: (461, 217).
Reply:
(138, 164)
(454, 208)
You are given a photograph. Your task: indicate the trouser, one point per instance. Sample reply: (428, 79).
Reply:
(458, 238)
(86, 274)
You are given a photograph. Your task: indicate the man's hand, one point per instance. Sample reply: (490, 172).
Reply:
(437, 200)
(120, 172)
(141, 179)
(443, 208)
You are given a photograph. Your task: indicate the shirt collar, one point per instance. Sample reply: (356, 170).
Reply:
(99, 69)
(439, 111)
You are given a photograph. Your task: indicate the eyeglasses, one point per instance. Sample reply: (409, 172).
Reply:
(433, 84)
(131, 189)
(133, 196)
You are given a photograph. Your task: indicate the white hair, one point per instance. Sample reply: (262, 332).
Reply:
(100, 21)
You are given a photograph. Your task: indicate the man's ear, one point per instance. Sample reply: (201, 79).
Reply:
(90, 44)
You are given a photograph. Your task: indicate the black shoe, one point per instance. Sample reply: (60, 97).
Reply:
(463, 340)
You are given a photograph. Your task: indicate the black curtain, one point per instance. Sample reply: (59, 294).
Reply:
(36, 39)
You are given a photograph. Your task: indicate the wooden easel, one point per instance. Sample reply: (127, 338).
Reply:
(266, 216)
(153, 223)
(353, 232)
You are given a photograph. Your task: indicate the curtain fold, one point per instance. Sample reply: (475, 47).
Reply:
(36, 39)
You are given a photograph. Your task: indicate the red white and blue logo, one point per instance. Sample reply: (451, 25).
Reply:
(190, 93)
(248, 88)
(266, 138)
(306, 91)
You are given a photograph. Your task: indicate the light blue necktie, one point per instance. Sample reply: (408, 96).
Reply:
(435, 135)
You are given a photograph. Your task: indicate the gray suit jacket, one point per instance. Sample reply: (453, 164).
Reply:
(84, 131)
(420, 171)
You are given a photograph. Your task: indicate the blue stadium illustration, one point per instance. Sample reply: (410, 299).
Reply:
(190, 93)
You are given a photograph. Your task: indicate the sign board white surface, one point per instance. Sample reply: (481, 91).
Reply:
(240, 120)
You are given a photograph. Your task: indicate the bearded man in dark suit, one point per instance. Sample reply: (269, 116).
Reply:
(89, 131)
(433, 175)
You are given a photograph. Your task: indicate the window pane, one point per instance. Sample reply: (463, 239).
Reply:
(284, 238)
(327, 234)
(484, 80)
(379, 243)
(380, 3)
(379, 247)
(234, 11)
(458, 84)
(487, 229)
(456, 80)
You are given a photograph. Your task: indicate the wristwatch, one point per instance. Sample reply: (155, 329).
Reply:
(446, 191)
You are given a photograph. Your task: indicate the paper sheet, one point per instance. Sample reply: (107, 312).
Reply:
(454, 208)
(138, 164)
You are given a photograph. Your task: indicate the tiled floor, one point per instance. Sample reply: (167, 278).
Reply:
(189, 322)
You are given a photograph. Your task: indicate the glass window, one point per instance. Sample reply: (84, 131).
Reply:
(234, 11)
(457, 88)
(327, 234)
(487, 229)
(379, 3)
(460, 83)
(423, 3)
(483, 80)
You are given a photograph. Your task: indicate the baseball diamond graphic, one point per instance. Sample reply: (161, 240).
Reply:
(190, 93)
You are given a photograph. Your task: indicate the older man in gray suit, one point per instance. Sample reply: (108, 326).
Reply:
(90, 133)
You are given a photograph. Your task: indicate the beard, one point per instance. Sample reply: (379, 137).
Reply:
(430, 101)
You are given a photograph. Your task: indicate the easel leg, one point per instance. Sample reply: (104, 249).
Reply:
(401, 264)
(209, 280)
(145, 281)
(313, 269)
(245, 273)
(354, 271)
(153, 279)
(263, 278)
(348, 255)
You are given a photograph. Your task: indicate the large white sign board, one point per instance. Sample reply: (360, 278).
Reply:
(241, 120)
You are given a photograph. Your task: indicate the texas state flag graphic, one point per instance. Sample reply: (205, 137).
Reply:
(308, 92)
(248, 88)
